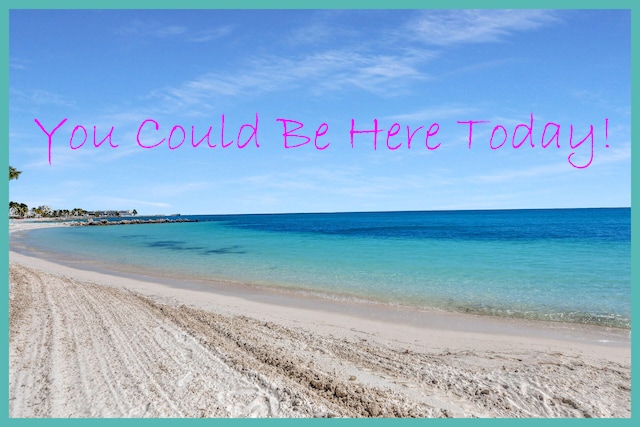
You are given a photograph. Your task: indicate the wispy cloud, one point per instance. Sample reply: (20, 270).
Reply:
(172, 190)
(209, 35)
(477, 67)
(450, 27)
(615, 154)
(353, 183)
(153, 29)
(39, 97)
(434, 113)
(18, 63)
(150, 29)
(330, 70)
(311, 34)
(516, 174)
(602, 158)
(118, 201)
(361, 67)
(323, 30)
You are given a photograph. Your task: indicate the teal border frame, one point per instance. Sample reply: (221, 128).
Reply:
(8, 5)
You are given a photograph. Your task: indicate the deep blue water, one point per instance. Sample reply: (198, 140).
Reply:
(569, 265)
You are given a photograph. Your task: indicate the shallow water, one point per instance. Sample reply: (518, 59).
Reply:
(568, 265)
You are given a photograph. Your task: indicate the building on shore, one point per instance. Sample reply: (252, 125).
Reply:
(109, 213)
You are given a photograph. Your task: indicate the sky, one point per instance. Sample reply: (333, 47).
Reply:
(158, 77)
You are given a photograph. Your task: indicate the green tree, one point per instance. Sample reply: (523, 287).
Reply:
(13, 208)
(44, 211)
(23, 210)
(18, 209)
(13, 173)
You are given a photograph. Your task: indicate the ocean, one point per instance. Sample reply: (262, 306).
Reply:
(561, 265)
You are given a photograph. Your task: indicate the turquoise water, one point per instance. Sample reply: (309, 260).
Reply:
(568, 265)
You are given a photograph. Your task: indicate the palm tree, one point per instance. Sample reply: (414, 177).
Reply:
(13, 173)
(18, 209)
(13, 208)
(23, 209)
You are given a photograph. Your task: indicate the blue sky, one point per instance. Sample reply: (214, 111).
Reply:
(415, 68)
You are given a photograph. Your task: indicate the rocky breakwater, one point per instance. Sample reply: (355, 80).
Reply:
(93, 222)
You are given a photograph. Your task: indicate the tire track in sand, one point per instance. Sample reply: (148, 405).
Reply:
(31, 352)
(79, 349)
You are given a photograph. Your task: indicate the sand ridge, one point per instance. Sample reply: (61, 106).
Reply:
(83, 349)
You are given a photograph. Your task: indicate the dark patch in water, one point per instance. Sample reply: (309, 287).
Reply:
(177, 245)
(134, 236)
(174, 245)
(165, 244)
(227, 250)
(186, 248)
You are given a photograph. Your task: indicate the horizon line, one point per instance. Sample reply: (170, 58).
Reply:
(388, 211)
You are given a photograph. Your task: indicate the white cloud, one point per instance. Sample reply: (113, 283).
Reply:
(448, 27)
(331, 70)
(39, 97)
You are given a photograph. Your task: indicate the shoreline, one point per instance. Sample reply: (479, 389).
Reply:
(300, 356)
(265, 299)
(373, 318)
(365, 309)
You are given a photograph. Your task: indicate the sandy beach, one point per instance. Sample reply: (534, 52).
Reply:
(414, 210)
(89, 344)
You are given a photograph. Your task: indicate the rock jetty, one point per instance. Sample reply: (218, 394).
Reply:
(91, 221)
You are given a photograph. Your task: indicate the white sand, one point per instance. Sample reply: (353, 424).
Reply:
(86, 344)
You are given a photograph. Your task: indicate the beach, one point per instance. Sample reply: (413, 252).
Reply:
(320, 212)
(84, 343)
